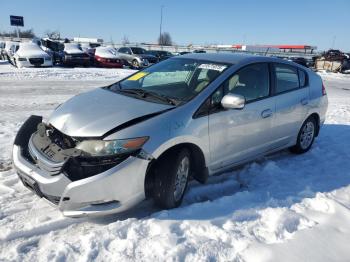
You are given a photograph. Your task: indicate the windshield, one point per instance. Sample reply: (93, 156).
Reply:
(138, 51)
(179, 79)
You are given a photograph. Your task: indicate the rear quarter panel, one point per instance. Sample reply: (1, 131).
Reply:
(318, 102)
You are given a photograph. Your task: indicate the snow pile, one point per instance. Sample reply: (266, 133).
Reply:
(292, 207)
(9, 73)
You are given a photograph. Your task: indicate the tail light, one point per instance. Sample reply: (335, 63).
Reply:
(324, 93)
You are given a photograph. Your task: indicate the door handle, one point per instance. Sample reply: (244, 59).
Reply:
(304, 101)
(266, 113)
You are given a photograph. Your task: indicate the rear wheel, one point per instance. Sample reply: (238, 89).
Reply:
(171, 178)
(306, 136)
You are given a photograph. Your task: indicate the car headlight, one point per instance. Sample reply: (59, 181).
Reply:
(22, 59)
(112, 147)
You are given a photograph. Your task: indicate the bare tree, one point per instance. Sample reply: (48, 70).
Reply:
(165, 39)
(53, 34)
(29, 33)
(125, 40)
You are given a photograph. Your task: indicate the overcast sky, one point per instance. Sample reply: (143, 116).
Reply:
(325, 23)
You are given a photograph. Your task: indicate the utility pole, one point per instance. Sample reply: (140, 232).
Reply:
(160, 26)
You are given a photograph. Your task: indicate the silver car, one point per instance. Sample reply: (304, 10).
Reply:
(145, 136)
(137, 57)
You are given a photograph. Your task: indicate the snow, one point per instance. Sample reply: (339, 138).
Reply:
(291, 207)
(30, 50)
(71, 48)
(106, 52)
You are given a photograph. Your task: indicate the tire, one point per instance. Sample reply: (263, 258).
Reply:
(167, 191)
(135, 64)
(306, 136)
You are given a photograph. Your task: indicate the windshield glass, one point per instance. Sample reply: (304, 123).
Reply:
(138, 51)
(180, 78)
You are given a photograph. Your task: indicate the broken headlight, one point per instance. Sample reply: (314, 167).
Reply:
(111, 147)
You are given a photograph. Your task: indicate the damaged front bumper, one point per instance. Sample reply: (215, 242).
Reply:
(114, 190)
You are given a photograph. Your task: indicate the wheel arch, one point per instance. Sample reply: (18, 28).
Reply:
(199, 169)
(316, 116)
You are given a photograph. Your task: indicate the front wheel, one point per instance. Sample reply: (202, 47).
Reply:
(306, 136)
(171, 178)
(135, 64)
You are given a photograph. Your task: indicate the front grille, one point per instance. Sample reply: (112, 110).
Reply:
(36, 61)
(55, 153)
(53, 168)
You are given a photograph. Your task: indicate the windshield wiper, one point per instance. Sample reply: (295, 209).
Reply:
(144, 93)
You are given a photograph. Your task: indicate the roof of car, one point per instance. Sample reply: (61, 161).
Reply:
(219, 57)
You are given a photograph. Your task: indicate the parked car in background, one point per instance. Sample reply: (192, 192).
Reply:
(30, 54)
(160, 54)
(299, 60)
(333, 55)
(10, 49)
(89, 48)
(145, 136)
(2, 47)
(74, 56)
(184, 53)
(107, 57)
(54, 48)
(137, 57)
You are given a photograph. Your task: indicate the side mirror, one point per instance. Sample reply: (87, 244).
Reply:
(233, 101)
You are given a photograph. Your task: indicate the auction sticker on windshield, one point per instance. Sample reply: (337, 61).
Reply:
(215, 67)
(137, 76)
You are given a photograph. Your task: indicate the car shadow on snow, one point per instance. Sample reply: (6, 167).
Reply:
(278, 180)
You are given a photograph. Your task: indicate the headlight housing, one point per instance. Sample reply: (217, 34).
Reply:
(112, 147)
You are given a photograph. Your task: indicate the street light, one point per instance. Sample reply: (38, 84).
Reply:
(160, 26)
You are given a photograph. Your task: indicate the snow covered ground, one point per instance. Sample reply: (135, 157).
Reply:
(293, 208)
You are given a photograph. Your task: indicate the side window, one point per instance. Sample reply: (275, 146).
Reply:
(122, 50)
(286, 78)
(216, 97)
(302, 78)
(252, 82)
(202, 75)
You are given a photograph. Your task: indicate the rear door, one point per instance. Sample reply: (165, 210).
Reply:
(292, 97)
(237, 135)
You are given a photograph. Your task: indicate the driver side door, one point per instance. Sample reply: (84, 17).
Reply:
(236, 135)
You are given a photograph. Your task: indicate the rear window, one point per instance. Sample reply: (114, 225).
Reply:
(286, 78)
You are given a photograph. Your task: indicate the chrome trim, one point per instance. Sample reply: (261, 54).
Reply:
(53, 168)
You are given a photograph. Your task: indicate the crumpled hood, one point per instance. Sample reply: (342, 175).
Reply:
(94, 113)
